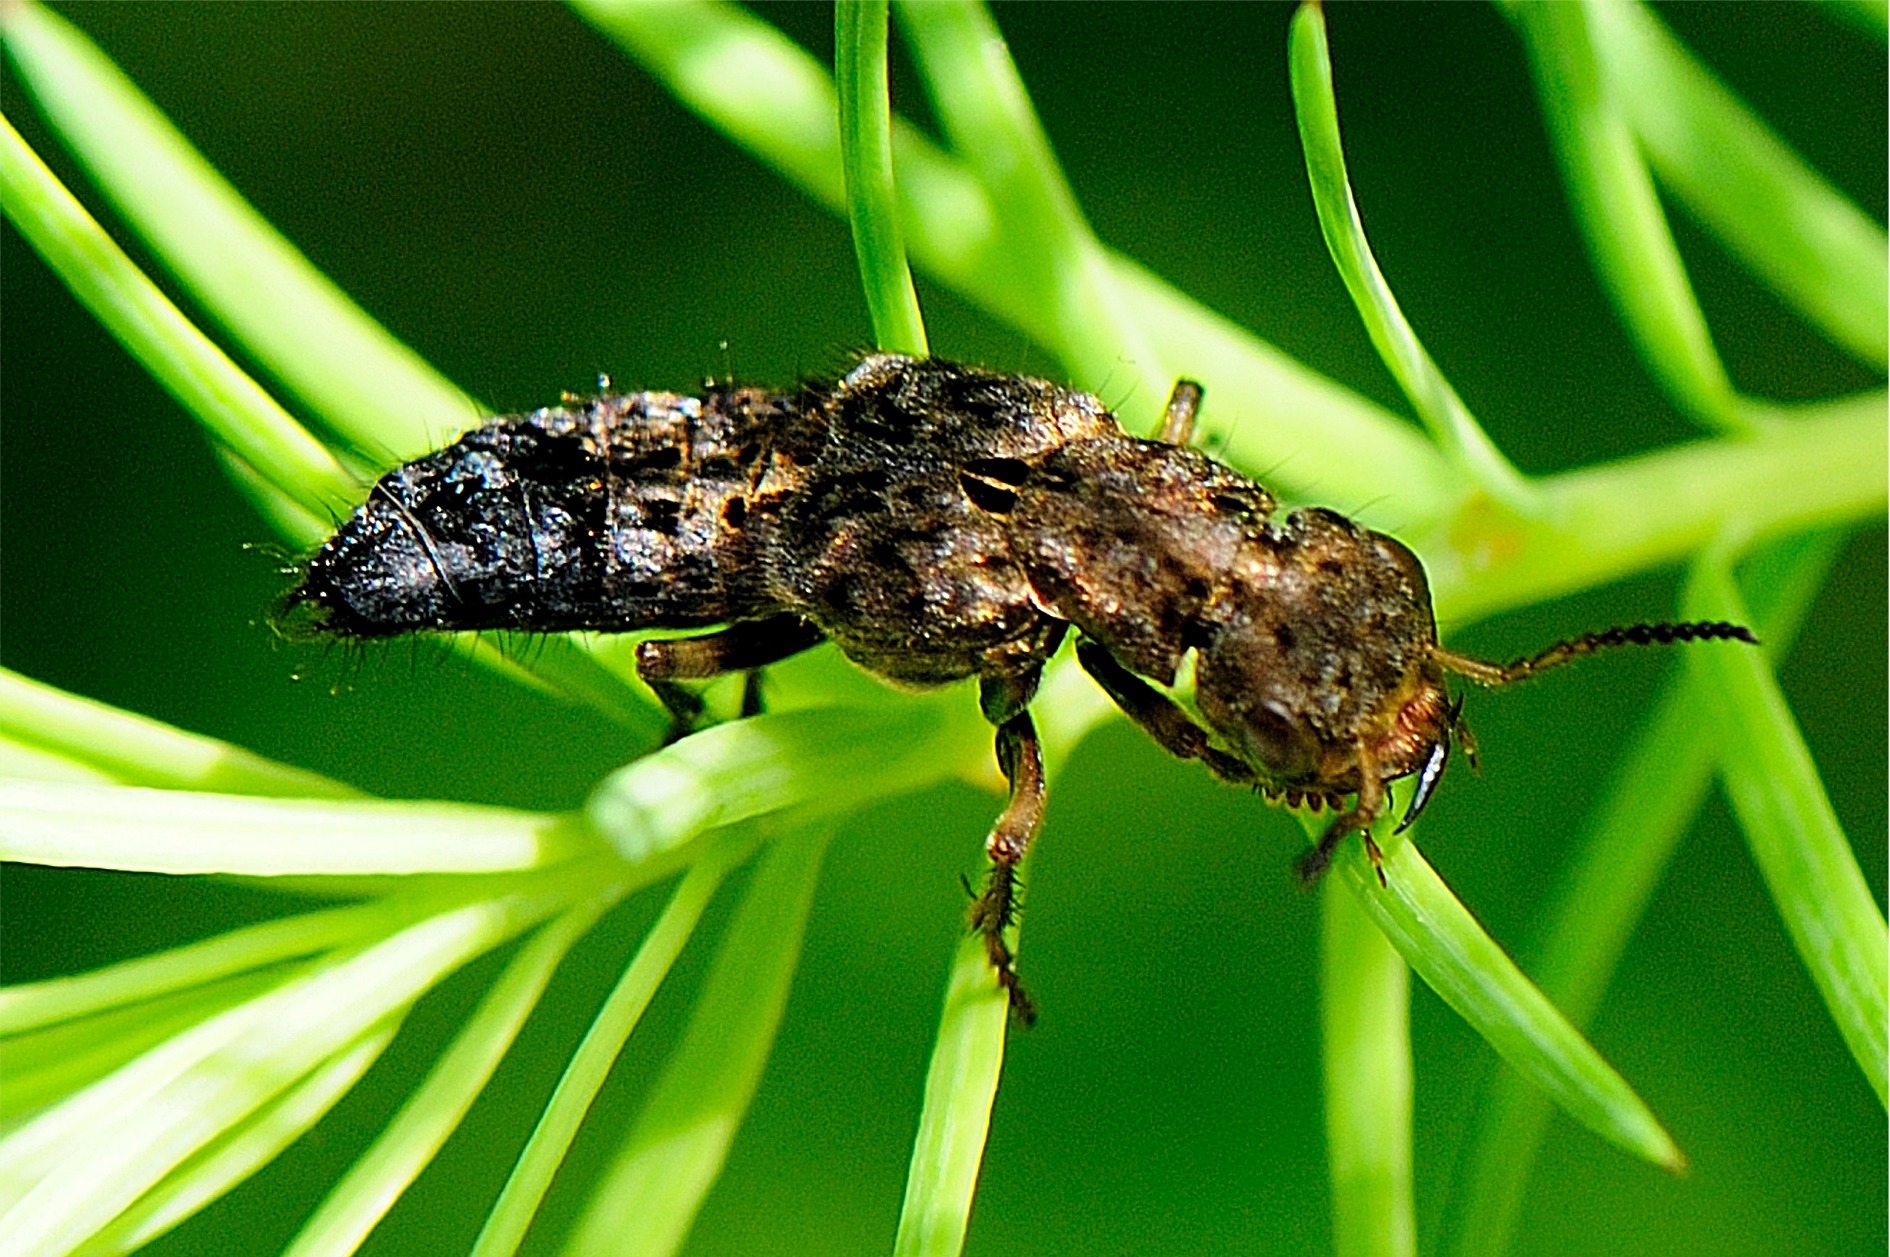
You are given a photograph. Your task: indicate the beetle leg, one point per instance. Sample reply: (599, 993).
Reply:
(1158, 716)
(1020, 755)
(1178, 420)
(1356, 819)
(741, 647)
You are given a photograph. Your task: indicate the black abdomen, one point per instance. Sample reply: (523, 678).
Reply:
(630, 512)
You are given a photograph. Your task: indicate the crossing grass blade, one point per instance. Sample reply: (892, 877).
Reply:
(349, 369)
(1802, 852)
(649, 1195)
(879, 244)
(1446, 947)
(1622, 857)
(1450, 422)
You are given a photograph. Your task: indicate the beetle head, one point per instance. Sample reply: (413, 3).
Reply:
(1318, 666)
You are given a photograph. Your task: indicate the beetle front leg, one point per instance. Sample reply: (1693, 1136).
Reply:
(1356, 819)
(1158, 716)
(1020, 756)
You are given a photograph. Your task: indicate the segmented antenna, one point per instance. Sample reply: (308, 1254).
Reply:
(1485, 673)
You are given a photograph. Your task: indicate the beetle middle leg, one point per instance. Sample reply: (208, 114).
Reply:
(741, 647)
(1005, 701)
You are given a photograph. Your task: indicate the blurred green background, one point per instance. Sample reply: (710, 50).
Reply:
(527, 209)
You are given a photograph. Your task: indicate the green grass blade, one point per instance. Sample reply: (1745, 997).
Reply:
(1620, 215)
(1807, 862)
(139, 751)
(1437, 404)
(565, 665)
(768, 95)
(225, 1164)
(412, 1137)
(1446, 946)
(986, 113)
(44, 1065)
(649, 1195)
(36, 763)
(291, 520)
(1365, 1017)
(1623, 854)
(744, 76)
(179, 356)
(1796, 233)
(603, 1042)
(70, 1171)
(176, 831)
(305, 330)
(31, 1005)
(830, 758)
(961, 1079)
(859, 34)
(1822, 470)
(1872, 17)
(960, 1086)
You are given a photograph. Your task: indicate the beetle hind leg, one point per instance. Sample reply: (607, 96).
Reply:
(1020, 756)
(744, 646)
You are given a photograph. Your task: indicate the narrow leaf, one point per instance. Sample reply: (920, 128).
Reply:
(1620, 215)
(981, 102)
(768, 95)
(1365, 1018)
(53, 1000)
(1796, 841)
(584, 1075)
(46, 1064)
(140, 751)
(1446, 947)
(1622, 856)
(179, 357)
(960, 1087)
(177, 831)
(1437, 404)
(859, 28)
(245, 1149)
(66, 1174)
(650, 1194)
(343, 364)
(830, 758)
(378, 1177)
(1823, 469)
(1797, 234)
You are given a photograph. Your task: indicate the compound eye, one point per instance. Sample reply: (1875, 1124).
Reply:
(1278, 743)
